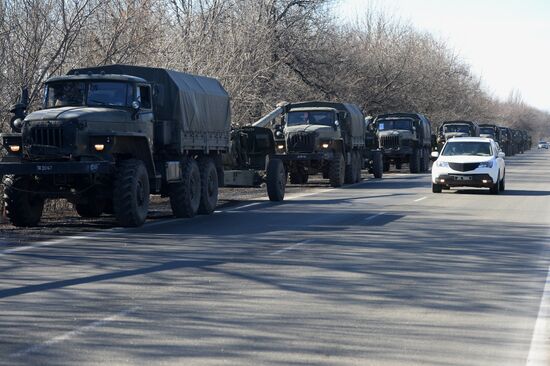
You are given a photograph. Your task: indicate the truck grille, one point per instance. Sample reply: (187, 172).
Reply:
(303, 142)
(47, 136)
(389, 142)
(463, 167)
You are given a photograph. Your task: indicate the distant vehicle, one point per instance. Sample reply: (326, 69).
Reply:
(543, 145)
(450, 129)
(469, 162)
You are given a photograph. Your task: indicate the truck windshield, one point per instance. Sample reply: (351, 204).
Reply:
(90, 93)
(394, 124)
(467, 148)
(456, 128)
(487, 130)
(325, 118)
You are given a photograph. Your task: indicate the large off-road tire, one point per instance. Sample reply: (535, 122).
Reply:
(359, 167)
(424, 161)
(131, 193)
(386, 166)
(90, 209)
(209, 186)
(276, 178)
(350, 171)
(414, 162)
(298, 176)
(436, 188)
(337, 170)
(377, 164)
(185, 196)
(23, 207)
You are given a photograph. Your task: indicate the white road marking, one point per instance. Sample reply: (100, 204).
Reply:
(290, 247)
(74, 333)
(539, 351)
(39, 245)
(369, 218)
(420, 199)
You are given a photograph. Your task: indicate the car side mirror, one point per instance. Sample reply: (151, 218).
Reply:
(435, 154)
(501, 155)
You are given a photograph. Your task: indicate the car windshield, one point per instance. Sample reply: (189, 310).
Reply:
(456, 128)
(394, 124)
(467, 148)
(487, 130)
(325, 118)
(80, 93)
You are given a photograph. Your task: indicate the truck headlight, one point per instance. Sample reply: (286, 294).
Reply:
(15, 148)
(280, 147)
(486, 164)
(99, 147)
(325, 145)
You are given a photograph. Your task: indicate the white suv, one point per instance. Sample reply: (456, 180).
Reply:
(469, 162)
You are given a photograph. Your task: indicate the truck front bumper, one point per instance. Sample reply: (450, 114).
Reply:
(318, 156)
(52, 168)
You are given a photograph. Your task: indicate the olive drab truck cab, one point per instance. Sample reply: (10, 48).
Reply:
(405, 138)
(321, 137)
(449, 129)
(108, 137)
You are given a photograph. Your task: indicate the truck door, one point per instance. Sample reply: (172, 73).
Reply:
(145, 115)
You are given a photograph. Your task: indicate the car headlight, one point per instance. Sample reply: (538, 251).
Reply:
(486, 164)
(442, 164)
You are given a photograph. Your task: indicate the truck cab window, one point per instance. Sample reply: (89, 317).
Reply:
(144, 96)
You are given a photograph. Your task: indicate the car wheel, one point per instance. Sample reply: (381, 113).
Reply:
(436, 188)
(502, 184)
(495, 189)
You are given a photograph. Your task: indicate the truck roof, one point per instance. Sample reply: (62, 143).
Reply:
(114, 77)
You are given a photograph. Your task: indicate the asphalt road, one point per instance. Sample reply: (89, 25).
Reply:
(379, 273)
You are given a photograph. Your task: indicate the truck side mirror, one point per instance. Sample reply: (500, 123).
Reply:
(136, 106)
(336, 124)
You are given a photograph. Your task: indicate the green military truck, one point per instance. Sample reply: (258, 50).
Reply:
(449, 129)
(319, 137)
(108, 137)
(405, 138)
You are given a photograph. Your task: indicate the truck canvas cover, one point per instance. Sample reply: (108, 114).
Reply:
(199, 105)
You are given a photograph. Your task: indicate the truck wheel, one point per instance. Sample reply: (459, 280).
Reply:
(359, 160)
(276, 180)
(298, 176)
(185, 196)
(386, 166)
(209, 186)
(350, 173)
(377, 164)
(131, 193)
(23, 208)
(337, 170)
(90, 210)
(414, 162)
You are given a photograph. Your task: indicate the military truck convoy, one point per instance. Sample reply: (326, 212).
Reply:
(108, 137)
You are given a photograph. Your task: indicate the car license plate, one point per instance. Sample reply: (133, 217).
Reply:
(462, 177)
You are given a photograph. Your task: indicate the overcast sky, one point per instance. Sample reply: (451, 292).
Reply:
(506, 42)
